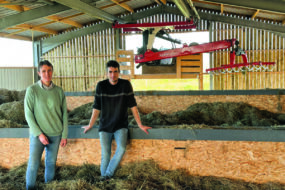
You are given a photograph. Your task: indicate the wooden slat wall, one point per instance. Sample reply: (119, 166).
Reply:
(126, 60)
(80, 63)
(260, 45)
(190, 66)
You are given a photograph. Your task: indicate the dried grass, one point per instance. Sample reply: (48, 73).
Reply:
(200, 115)
(9, 124)
(223, 114)
(11, 95)
(13, 111)
(216, 114)
(135, 176)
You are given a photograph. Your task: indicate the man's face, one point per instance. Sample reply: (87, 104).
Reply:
(113, 75)
(46, 74)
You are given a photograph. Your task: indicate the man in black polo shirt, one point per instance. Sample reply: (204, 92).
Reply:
(112, 99)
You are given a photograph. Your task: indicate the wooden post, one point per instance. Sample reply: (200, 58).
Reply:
(190, 66)
(126, 60)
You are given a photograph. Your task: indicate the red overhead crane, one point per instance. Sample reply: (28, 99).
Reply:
(153, 28)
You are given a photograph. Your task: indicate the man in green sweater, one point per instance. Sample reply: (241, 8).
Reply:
(46, 114)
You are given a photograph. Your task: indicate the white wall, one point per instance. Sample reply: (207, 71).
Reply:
(16, 53)
(16, 62)
(16, 78)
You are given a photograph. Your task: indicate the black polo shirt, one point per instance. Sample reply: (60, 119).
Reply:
(113, 102)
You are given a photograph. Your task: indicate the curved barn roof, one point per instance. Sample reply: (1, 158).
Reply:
(34, 19)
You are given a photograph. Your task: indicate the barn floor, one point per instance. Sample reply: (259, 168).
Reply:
(143, 175)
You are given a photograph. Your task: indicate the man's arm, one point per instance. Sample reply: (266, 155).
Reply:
(63, 141)
(64, 117)
(95, 114)
(30, 117)
(138, 119)
(29, 113)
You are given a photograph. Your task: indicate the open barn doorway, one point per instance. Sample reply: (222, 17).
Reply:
(135, 41)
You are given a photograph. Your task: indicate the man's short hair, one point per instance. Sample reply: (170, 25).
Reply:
(45, 62)
(113, 63)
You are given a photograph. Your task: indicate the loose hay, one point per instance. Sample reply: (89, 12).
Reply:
(8, 124)
(216, 114)
(10, 96)
(226, 115)
(81, 115)
(13, 111)
(140, 175)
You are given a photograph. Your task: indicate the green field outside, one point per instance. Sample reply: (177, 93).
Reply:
(169, 84)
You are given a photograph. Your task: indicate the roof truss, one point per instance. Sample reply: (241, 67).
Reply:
(53, 18)
(90, 10)
(123, 5)
(52, 42)
(26, 16)
(272, 5)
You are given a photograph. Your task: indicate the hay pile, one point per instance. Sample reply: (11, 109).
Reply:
(12, 108)
(227, 114)
(81, 115)
(10, 96)
(216, 114)
(13, 111)
(203, 114)
(143, 175)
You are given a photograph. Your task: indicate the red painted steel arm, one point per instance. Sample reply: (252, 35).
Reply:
(175, 28)
(151, 25)
(186, 50)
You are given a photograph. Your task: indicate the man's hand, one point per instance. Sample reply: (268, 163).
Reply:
(138, 120)
(43, 139)
(86, 128)
(63, 142)
(145, 128)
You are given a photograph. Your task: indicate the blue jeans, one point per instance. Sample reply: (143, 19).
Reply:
(36, 151)
(108, 166)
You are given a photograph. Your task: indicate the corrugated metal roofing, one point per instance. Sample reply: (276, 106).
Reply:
(83, 18)
(114, 9)
(6, 12)
(68, 13)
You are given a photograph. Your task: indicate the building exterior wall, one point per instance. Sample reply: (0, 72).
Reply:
(16, 78)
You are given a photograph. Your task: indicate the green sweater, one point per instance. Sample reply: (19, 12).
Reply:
(46, 111)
